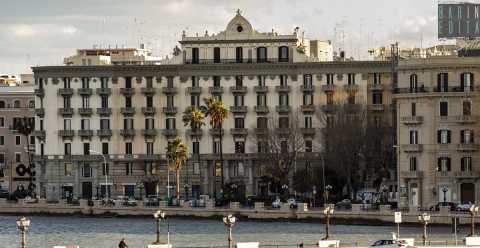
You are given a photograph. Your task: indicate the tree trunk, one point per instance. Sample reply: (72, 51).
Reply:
(221, 159)
(177, 175)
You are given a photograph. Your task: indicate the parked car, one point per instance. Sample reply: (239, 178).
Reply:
(4, 193)
(276, 203)
(464, 207)
(436, 207)
(344, 204)
(388, 243)
(292, 202)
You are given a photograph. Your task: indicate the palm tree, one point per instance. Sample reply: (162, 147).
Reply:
(218, 113)
(193, 117)
(178, 151)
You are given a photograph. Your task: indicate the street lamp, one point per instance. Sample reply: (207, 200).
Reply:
(385, 196)
(285, 190)
(328, 188)
(424, 218)
(444, 190)
(229, 221)
(158, 216)
(327, 211)
(186, 186)
(23, 224)
(106, 172)
(314, 192)
(473, 211)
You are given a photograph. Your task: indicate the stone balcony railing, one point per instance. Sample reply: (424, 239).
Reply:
(307, 88)
(376, 107)
(127, 91)
(85, 133)
(238, 131)
(65, 91)
(467, 147)
(238, 89)
(308, 131)
(411, 174)
(412, 148)
(283, 108)
(328, 108)
(85, 91)
(260, 89)
(85, 111)
(215, 90)
(261, 109)
(149, 132)
(149, 110)
(148, 91)
(466, 119)
(169, 132)
(351, 87)
(127, 111)
(104, 133)
(467, 174)
(66, 133)
(169, 110)
(65, 111)
(104, 111)
(411, 120)
(377, 87)
(195, 132)
(104, 91)
(169, 90)
(308, 108)
(127, 132)
(328, 87)
(194, 90)
(282, 88)
(238, 109)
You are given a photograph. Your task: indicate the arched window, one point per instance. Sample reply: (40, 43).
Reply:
(2, 104)
(16, 104)
(283, 54)
(261, 54)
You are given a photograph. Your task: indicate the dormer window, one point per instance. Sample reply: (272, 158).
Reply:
(239, 28)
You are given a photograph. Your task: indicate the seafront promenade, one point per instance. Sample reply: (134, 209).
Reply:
(356, 215)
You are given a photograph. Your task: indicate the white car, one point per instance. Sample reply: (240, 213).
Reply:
(464, 207)
(388, 243)
(276, 203)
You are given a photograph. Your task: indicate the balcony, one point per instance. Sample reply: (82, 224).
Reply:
(308, 108)
(170, 110)
(215, 90)
(149, 110)
(127, 132)
(467, 147)
(376, 87)
(85, 91)
(66, 133)
(308, 131)
(261, 131)
(65, 111)
(127, 91)
(40, 112)
(445, 174)
(351, 87)
(239, 109)
(466, 119)
(149, 132)
(148, 91)
(239, 131)
(412, 148)
(40, 92)
(328, 108)
(85, 133)
(282, 88)
(85, 111)
(467, 174)
(104, 133)
(261, 109)
(282, 131)
(260, 89)
(127, 111)
(194, 90)
(195, 132)
(307, 88)
(104, 111)
(169, 132)
(411, 174)
(169, 90)
(328, 87)
(216, 131)
(39, 134)
(376, 107)
(238, 89)
(283, 108)
(65, 91)
(352, 107)
(411, 120)
(104, 91)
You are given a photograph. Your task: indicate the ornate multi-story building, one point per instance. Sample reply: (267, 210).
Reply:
(127, 113)
(437, 120)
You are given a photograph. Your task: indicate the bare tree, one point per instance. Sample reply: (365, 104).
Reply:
(280, 141)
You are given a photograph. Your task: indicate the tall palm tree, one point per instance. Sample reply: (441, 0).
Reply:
(178, 151)
(218, 113)
(194, 118)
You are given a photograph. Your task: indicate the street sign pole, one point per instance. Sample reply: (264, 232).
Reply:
(398, 220)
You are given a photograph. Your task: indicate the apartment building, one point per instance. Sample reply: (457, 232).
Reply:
(437, 120)
(15, 102)
(126, 114)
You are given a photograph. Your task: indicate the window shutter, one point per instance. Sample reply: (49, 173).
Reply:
(471, 81)
(449, 136)
(439, 164)
(439, 136)
(462, 81)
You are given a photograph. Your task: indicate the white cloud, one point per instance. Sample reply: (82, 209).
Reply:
(35, 30)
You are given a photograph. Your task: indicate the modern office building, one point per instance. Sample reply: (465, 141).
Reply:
(127, 113)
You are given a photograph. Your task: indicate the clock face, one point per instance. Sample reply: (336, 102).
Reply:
(239, 28)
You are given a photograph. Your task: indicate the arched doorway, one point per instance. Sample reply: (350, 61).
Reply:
(467, 192)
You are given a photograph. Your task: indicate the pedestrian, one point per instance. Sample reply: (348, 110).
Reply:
(122, 244)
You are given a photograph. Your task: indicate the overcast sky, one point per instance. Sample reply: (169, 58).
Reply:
(42, 32)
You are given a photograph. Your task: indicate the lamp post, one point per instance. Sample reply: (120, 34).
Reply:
(473, 211)
(328, 188)
(314, 192)
(285, 190)
(424, 218)
(229, 221)
(23, 224)
(385, 196)
(158, 216)
(327, 211)
(106, 173)
(444, 190)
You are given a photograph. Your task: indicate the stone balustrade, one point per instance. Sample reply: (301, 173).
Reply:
(259, 206)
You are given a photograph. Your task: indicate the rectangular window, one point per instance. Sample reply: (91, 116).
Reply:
(413, 164)
(283, 80)
(377, 79)
(18, 140)
(238, 81)
(149, 101)
(442, 82)
(238, 100)
(68, 169)
(196, 168)
(262, 122)
(104, 82)
(443, 108)
(216, 81)
(2, 140)
(351, 78)
(283, 99)
(413, 137)
(104, 101)
(467, 108)
(67, 124)
(2, 121)
(86, 148)
(443, 136)
(170, 101)
(104, 124)
(195, 55)
(444, 164)
(307, 99)
(466, 82)
(239, 122)
(377, 98)
(86, 170)
(283, 122)
(150, 123)
(308, 121)
(128, 148)
(308, 146)
(239, 54)
(170, 82)
(195, 82)
(85, 124)
(195, 100)
(330, 79)
(105, 169)
(67, 149)
(18, 157)
(307, 80)
(261, 81)
(466, 164)
(32, 140)
(239, 147)
(196, 147)
(216, 147)
(105, 148)
(128, 102)
(66, 83)
(149, 82)
(128, 124)
(466, 136)
(413, 109)
(262, 100)
(261, 54)
(85, 82)
(170, 123)
(128, 82)
(67, 102)
(216, 55)
(149, 148)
